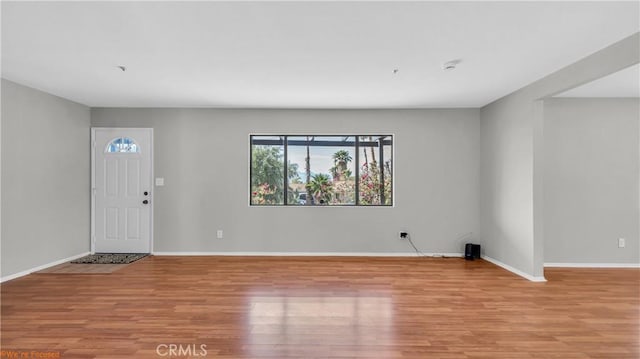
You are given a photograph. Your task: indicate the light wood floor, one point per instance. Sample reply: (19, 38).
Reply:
(261, 307)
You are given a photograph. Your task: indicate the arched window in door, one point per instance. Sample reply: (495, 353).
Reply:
(123, 145)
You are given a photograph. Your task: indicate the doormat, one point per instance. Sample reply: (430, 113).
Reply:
(110, 258)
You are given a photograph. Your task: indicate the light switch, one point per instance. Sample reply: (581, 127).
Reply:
(159, 181)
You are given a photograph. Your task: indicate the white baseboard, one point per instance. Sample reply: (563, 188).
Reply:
(514, 270)
(592, 265)
(309, 254)
(42, 267)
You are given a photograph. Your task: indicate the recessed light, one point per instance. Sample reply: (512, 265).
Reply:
(395, 71)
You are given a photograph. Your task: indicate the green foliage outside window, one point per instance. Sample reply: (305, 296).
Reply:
(322, 170)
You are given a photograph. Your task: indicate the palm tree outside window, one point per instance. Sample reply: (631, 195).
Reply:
(321, 170)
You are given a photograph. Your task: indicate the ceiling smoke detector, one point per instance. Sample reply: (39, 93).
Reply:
(450, 65)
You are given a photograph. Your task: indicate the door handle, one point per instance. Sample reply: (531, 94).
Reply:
(145, 202)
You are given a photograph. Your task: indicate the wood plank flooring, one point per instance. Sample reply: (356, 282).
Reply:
(82, 268)
(318, 307)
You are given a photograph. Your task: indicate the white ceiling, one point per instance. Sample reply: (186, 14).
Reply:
(299, 54)
(624, 83)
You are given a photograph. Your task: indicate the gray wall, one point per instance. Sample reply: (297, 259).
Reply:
(591, 180)
(203, 155)
(45, 178)
(506, 213)
(512, 159)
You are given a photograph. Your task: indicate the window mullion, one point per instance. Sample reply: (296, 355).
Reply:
(381, 166)
(250, 170)
(357, 159)
(286, 173)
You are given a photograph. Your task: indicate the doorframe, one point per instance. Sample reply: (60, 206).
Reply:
(92, 188)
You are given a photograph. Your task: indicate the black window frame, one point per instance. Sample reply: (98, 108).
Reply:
(283, 140)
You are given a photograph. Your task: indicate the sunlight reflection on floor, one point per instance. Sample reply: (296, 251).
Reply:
(301, 322)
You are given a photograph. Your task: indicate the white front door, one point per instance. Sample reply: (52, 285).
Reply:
(121, 180)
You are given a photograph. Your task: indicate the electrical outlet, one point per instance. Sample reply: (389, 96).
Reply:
(621, 242)
(220, 234)
(403, 235)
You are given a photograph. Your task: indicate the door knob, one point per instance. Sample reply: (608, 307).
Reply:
(145, 202)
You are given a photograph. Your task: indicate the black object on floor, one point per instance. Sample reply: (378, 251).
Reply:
(471, 251)
(110, 258)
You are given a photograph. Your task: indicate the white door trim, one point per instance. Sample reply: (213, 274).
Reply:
(93, 183)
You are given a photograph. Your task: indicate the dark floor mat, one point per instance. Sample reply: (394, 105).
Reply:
(110, 258)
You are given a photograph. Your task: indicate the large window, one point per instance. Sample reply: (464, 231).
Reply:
(349, 170)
